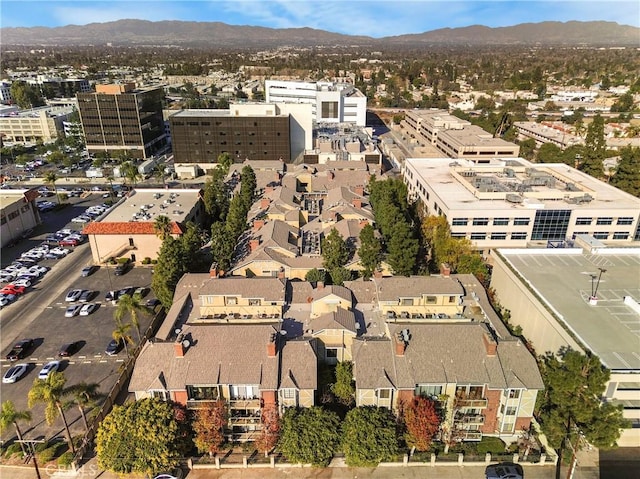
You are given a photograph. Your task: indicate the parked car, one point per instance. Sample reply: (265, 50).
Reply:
(69, 349)
(24, 281)
(72, 310)
(48, 368)
(68, 241)
(141, 291)
(88, 309)
(73, 295)
(81, 219)
(16, 290)
(503, 471)
(88, 270)
(20, 349)
(122, 268)
(152, 303)
(87, 295)
(14, 373)
(114, 347)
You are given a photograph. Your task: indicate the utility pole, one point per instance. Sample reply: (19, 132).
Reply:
(30, 443)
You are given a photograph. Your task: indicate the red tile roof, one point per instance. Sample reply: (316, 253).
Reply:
(126, 228)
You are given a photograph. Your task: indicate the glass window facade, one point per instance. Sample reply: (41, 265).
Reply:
(550, 224)
(604, 221)
(460, 221)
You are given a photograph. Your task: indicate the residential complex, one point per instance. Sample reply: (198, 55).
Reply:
(446, 346)
(121, 118)
(18, 213)
(129, 228)
(514, 203)
(44, 124)
(330, 102)
(582, 298)
(454, 137)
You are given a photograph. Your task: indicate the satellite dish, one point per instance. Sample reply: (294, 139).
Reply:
(186, 343)
(177, 331)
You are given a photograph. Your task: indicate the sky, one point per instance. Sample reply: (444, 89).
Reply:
(375, 18)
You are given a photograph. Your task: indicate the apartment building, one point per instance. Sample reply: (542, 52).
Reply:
(123, 118)
(583, 298)
(516, 203)
(454, 137)
(37, 124)
(18, 213)
(330, 102)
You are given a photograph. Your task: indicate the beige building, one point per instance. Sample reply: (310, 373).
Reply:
(18, 213)
(515, 203)
(454, 137)
(128, 230)
(38, 124)
(583, 299)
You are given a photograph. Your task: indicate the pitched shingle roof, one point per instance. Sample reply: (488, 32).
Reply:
(392, 288)
(340, 319)
(299, 367)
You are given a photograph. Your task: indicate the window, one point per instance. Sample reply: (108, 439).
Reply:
(230, 300)
(604, 221)
(480, 221)
(254, 302)
(511, 411)
(384, 393)
(203, 393)
(428, 390)
(478, 236)
(518, 236)
(289, 393)
(620, 236)
(158, 394)
(430, 299)
(458, 235)
(460, 221)
(514, 393)
(521, 221)
(601, 235)
(625, 220)
(331, 353)
(452, 299)
(498, 236)
(329, 109)
(550, 224)
(406, 301)
(500, 221)
(584, 221)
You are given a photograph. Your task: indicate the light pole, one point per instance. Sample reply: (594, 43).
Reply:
(593, 299)
(30, 443)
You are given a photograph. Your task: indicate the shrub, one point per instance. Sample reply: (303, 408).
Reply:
(48, 454)
(494, 445)
(12, 450)
(147, 260)
(66, 459)
(123, 260)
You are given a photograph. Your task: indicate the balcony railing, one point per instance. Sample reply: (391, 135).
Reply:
(471, 403)
(244, 420)
(199, 404)
(244, 403)
(472, 436)
(470, 419)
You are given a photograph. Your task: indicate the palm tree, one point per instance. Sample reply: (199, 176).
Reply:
(158, 172)
(121, 333)
(162, 226)
(9, 415)
(129, 171)
(51, 178)
(84, 395)
(132, 306)
(51, 391)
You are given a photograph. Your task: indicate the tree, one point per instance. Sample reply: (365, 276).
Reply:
(248, 185)
(334, 251)
(344, 388)
(84, 395)
(309, 435)
(627, 176)
(216, 199)
(340, 275)
(595, 148)
(270, 432)
(624, 103)
(129, 171)
(131, 306)
(571, 403)
(208, 426)
(225, 161)
(158, 173)
(9, 415)
(236, 221)
(50, 178)
(143, 437)
(403, 249)
(25, 95)
(314, 275)
(51, 392)
(422, 422)
(162, 226)
(222, 246)
(370, 251)
(369, 436)
(549, 153)
(121, 334)
(168, 270)
(472, 264)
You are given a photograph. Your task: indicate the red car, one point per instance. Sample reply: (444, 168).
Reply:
(12, 289)
(69, 242)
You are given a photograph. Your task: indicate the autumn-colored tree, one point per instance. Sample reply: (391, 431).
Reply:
(209, 427)
(422, 422)
(270, 433)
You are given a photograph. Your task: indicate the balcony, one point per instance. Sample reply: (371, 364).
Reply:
(472, 436)
(471, 403)
(240, 403)
(470, 419)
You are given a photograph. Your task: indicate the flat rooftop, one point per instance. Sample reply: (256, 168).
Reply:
(610, 329)
(146, 205)
(517, 183)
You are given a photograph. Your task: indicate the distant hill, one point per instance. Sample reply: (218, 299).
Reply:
(221, 35)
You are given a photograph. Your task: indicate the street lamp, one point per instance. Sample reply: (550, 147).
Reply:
(593, 299)
(30, 443)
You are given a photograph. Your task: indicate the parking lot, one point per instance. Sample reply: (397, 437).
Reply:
(39, 314)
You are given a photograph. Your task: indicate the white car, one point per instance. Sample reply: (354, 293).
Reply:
(22, 282)
(14, 373)
(67, 232)
(73, 295)
(60, 251)
(33, 254)
(81, 219)
(48, 368)
(39, 269)
(88, 308)
(6, 299)
(72, 310)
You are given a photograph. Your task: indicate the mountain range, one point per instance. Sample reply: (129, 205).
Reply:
(221, 35)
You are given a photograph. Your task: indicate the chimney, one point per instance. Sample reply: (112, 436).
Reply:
(257, 224)
(320, 285)
(178, 348)
(271, 347)
(401, 346)
(253, 244)
(264, 202)
(356, 202)
(213, 271)
(359, 190)
(445, 270)
(490, 344)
